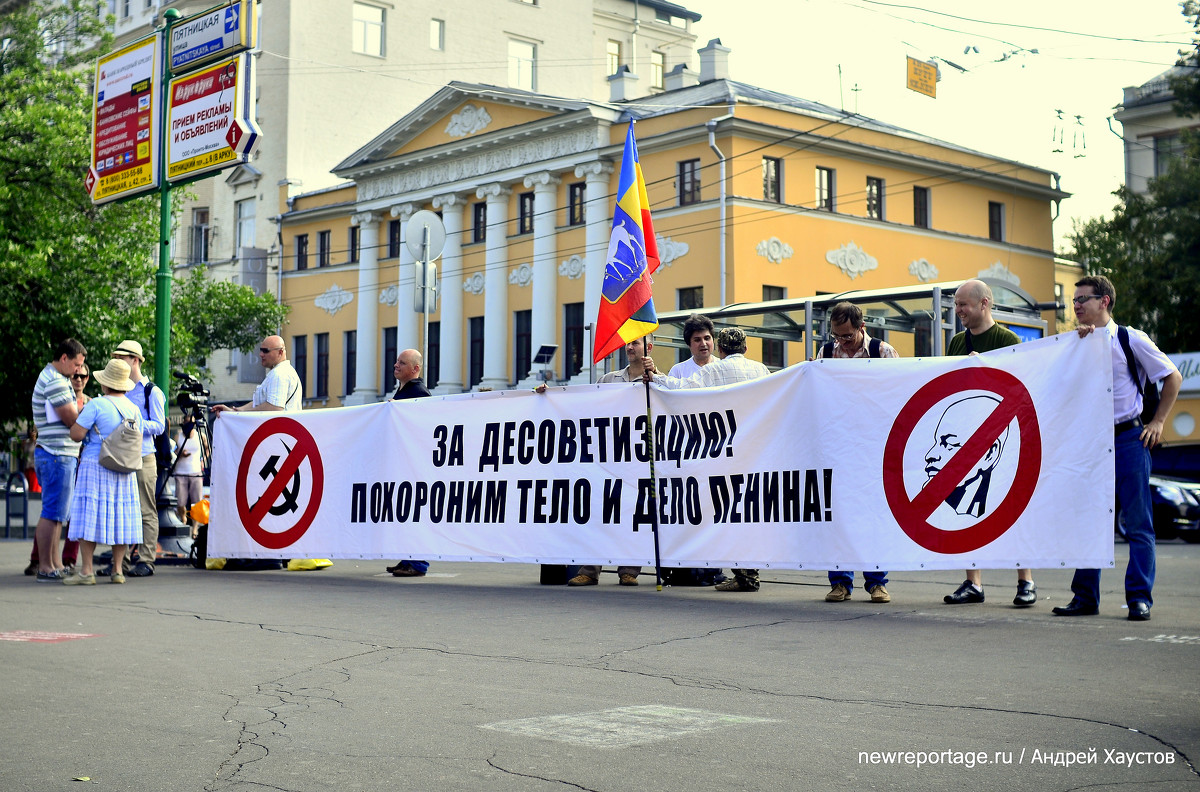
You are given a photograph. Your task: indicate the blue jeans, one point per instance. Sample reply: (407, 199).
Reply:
(1133, 499)
(57, 476)
(847, 579)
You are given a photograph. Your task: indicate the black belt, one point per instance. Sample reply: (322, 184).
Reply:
(1125, 426)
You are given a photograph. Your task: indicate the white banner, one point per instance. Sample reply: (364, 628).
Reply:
(994, 461)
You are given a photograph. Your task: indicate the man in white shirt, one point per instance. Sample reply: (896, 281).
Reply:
(280, 389)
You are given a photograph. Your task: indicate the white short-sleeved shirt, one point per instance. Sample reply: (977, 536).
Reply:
(1127, 402)
(281, 387)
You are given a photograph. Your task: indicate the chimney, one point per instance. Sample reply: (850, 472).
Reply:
(622, 86)
(714, 62)
(679, 77)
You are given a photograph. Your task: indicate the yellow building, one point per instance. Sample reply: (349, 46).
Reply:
(755, 196)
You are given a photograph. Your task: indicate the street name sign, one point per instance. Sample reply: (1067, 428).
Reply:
(214, 34)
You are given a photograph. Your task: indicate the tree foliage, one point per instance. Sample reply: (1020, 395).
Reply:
(68, 268)
(1150, 248)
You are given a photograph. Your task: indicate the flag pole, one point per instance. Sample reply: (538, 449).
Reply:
(658, 586)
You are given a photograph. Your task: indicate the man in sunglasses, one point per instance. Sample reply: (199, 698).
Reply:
(280, 390)
(1132, 441)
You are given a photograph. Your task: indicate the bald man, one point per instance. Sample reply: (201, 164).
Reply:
(281, 390)
(410, 386)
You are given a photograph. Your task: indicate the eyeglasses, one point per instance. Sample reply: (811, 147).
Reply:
(843, 337)
(79, 376)
(1085, 298)
(265, 350)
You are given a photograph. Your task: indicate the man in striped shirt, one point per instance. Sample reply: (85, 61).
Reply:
(54, 413)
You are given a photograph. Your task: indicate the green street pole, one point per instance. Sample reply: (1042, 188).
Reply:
(162, 280)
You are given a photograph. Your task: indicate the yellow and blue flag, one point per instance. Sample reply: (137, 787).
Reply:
(626, 304)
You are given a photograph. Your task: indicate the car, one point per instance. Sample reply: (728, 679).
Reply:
(1176, 509)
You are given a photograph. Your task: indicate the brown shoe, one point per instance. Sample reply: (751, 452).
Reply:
(582, 580)
(880, 594)
(628, 579)
(838, 593)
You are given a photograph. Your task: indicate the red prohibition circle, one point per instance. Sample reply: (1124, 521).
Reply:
(252, 516)
(913, 514)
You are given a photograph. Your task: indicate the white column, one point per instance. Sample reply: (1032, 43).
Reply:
(599, 226)
(450, 297)
(366, 384)
(545, 264)
(496, 340)
(408, 321)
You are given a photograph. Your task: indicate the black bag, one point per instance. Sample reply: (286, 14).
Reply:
(1149, 391)
(162, 442)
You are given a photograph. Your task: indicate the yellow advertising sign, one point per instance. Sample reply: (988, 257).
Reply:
(922, 77)
(125, 121)
(202, 110)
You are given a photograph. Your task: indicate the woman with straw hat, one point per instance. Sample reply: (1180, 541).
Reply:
(105, 507)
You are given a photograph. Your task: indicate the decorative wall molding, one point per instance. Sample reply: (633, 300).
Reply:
(493, 192)
(572, 268)
(1000, 272)
(334, 299)
(389, 295)
(449, 200)
(521, 275)
(774, 250)
(468, 121)
(852, 260)
(364, 218)
(923, 270)
(403, 211)
(406, 180)
(474, 284)
(594, 169)
(669, 250)
(545, 179)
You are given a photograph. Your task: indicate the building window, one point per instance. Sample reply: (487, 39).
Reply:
(689, 182)
(772, 173)
(525, 213)
(875, 193)
(575, 198)
(691, 298)
(774, 350)
(351, 360)
(300, 359)
(522, 344)
(522, 65)
(475, 359)
(921, 207)
(1060, 301)
(1167, 149)
(658, 65)
(432, 370)
(826, 189)
(324, 245)
(393, 245)
(368, 29)
(198, 243)
(322, 383)
(389, 359)
(437, 34)
(244, 232)
(352, 243)
(996, 221)
(572, 339)
(301, 251)
(612, 54)
(126, 8)
(479, 222)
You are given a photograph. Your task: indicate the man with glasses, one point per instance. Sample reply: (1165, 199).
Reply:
(152, 404)
(850, 340)
(280, 390)
(1132, 441)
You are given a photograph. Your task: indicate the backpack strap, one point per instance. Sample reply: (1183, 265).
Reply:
(873, 349)
(827, 350)
(1130, 360)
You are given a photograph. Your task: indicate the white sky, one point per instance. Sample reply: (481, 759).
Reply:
(1001, 108)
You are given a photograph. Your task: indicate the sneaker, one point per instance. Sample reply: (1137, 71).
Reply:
(628, 580)
(879, 593)
(52, 576)
(838, 593)
(735, 584)
(116, 577)
(80, 580)
(141, 569)
(583, 580)
(1026, 594)
(966, 593)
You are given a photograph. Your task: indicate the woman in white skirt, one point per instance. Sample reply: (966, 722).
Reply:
(105, 508)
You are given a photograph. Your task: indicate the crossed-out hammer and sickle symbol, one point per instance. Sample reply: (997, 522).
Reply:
(289, 493)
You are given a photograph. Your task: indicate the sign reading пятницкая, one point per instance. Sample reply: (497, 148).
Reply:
(217, 33)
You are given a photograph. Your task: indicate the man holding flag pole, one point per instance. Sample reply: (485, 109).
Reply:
(626, 311)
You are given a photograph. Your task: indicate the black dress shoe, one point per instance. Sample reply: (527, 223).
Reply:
(966, 593)
(1139, 611)
(1076, 608)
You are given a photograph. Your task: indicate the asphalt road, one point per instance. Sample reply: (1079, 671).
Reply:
(477, 677)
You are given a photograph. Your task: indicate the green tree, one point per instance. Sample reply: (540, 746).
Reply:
(68, 268)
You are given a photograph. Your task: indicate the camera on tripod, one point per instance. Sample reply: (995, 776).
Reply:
(192, 393)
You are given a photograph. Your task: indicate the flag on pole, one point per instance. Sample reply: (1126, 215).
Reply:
(626, 304)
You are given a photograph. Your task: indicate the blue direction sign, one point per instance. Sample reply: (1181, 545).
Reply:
(217, 33)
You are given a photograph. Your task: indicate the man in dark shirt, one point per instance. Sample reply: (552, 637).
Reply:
(410, 386)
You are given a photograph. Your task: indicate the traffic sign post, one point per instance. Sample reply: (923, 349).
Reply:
(425, 237)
